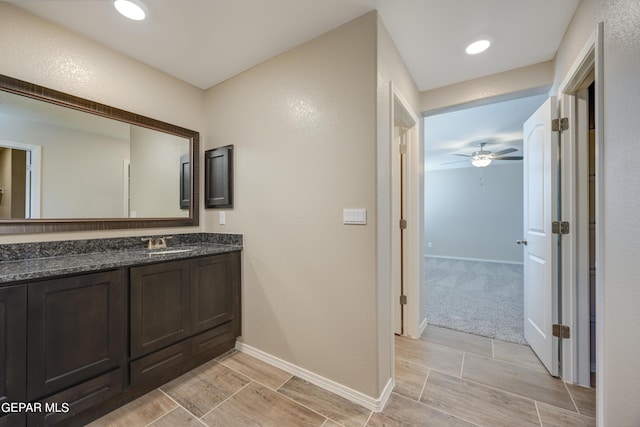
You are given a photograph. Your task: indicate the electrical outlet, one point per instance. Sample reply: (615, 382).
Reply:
(222, 218)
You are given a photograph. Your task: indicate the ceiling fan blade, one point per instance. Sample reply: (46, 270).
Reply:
(508, 158)
(457, 161)
(507, 151)
(463, 155)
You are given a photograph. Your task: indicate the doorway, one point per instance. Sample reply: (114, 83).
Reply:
(406, 225)
(473, 218)
(20, 171)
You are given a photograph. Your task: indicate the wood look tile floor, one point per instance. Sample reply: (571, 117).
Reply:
(445, 378)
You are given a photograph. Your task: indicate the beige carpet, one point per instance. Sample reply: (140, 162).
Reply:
(482, 298)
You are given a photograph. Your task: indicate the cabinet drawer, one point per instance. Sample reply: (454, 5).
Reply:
(159, 364)
(13, 420)
(210, 339)
(75, 400)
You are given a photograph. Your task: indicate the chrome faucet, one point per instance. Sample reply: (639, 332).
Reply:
(156, 242)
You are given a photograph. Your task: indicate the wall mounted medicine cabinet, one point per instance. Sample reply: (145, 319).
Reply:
(218, 176)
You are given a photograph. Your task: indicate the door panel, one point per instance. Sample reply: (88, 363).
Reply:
(159, 306)
(540, 202)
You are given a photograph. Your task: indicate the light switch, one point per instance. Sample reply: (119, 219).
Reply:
(222, 219)
(354, 216)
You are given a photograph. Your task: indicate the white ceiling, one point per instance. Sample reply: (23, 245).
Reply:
(205, 42)
(498, 124)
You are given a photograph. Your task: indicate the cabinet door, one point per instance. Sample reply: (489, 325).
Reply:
(75, 331)
(159, 306)
(218, 177)
(13, 344)
(212, 292)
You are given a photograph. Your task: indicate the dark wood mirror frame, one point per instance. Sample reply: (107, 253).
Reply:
(19, 226)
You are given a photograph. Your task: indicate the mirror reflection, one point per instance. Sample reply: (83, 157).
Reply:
(56, 162)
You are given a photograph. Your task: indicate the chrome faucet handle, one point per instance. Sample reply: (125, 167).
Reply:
(149, 241)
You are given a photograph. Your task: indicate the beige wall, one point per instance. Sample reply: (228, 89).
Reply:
(526, 81)
(621, 371)
(390, 68)
(304, 129)
(40, 52)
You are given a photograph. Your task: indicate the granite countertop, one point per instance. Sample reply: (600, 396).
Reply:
(20, 270)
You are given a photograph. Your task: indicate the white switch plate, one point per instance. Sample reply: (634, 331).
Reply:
(354, 216)
(222, 218)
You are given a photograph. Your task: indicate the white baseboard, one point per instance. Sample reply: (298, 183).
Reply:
(474, 259)
(355, 396)
(423, 326)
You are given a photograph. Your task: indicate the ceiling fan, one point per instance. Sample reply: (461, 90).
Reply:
(483, 158)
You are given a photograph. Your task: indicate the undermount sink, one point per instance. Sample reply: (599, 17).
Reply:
(169, 251)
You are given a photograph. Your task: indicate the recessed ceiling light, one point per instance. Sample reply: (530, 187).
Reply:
(478, 46)
(132, 9)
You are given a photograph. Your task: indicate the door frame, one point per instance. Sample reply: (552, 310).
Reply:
(36, 173)
(575, 365)
(412, 267)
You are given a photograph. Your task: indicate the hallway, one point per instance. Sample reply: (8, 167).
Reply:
(445, 378)
(482, 381)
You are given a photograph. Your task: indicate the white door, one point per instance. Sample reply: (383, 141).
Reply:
(540, 265)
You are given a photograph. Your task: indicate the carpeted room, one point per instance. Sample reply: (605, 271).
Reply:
(473, 218)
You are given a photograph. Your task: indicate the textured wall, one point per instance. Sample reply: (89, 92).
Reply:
(40, 52)
(303, 126)
(475, 213)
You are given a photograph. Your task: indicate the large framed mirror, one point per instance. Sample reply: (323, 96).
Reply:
(71, 164)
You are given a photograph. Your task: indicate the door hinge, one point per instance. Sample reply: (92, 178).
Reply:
(560, 227)
(558, 125)
(403, 224)
(403, 299)
(561, 331)
(403, 148)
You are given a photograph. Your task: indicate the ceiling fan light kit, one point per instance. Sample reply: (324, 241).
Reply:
(483, 158)
(481, 162)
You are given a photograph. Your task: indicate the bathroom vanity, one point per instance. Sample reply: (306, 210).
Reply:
(86, 332)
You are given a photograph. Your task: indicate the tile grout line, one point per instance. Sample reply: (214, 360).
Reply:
(535, 402)
(369, 419)
(258, 382)
(313, 410)
(571, 397)
(178, 405)
(283, 395)
(219, 404)
(442, 411)
(424, 385)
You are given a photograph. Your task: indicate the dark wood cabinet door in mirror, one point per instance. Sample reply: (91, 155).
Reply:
(185, 181)
(218, 176)
(13, 344)
(159, 306)
(76, 330)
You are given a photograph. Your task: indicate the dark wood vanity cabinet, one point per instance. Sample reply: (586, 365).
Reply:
(182, 313)
(82, 345)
